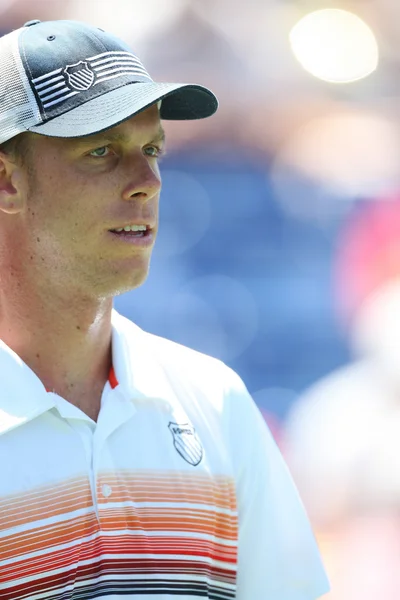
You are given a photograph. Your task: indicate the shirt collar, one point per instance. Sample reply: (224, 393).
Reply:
(22, 394)
(138, 371)
(138, 368)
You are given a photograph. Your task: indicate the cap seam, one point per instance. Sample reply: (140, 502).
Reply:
(25, 59)
(30, 78)
(93, 34)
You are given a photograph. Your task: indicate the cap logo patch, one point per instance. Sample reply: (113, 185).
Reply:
(186, 442)
(55, 87)
(80, 76)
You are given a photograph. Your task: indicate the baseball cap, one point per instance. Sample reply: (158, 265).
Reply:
(70, 79)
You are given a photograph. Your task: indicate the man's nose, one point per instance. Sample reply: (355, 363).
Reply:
(145, 181)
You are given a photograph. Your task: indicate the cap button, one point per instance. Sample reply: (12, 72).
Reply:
(33, 22)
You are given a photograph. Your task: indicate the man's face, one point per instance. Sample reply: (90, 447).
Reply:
(79, 191)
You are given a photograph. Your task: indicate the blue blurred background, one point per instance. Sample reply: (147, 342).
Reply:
(235, 276)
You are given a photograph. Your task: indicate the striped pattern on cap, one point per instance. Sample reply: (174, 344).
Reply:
(55, 87)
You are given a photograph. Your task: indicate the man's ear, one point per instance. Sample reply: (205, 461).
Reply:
(12, 184)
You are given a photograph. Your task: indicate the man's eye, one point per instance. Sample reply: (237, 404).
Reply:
(153, 151)
(100, 152)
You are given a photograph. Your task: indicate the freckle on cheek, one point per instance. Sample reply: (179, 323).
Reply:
(38, 239)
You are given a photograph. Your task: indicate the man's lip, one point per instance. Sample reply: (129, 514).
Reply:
(149, 226)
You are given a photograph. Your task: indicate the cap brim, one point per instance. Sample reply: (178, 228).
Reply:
(180, 102)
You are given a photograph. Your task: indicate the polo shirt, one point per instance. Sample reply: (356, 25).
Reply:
(177, 491)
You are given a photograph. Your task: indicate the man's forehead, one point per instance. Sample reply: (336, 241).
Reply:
(125, 135)
(146, 124)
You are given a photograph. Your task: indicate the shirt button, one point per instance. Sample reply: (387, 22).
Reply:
(106, 490)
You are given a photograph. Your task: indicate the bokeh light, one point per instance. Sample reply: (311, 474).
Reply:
(188, 215)
(335, 45)
(347, 153)
(199, 316)
(129, 19)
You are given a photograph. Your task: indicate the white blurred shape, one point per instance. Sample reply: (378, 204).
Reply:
(342, 439)
(335, 443)
(188, 215)
(214, 314)
(376, 329)
(335, 45)
(343, 155)
(131, 20)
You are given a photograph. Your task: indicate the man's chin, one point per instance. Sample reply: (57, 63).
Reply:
(132, 283)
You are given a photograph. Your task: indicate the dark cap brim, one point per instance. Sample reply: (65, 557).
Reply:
(189, 102)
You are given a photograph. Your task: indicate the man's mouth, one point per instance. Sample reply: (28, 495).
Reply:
(132, 230)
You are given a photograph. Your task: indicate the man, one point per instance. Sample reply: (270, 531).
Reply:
(131, 466)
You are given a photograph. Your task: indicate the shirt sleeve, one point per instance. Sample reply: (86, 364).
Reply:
(278, 555)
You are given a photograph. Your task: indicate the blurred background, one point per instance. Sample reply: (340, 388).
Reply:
(279, 249)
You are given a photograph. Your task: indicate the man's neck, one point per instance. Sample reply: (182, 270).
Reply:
(68, 347)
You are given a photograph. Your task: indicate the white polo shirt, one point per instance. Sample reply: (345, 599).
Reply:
(178, 490)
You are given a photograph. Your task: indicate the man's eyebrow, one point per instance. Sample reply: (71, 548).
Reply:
(118, 136)
(160, 137)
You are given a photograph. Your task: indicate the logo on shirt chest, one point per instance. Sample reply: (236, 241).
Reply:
(186, 442)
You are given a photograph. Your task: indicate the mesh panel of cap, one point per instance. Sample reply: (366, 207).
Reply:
(18, 108)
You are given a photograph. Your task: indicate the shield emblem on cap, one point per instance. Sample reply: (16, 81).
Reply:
(186, 442)
(80, 77)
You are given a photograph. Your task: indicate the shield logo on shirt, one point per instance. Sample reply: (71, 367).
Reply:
(80, 76)
(186, 442)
